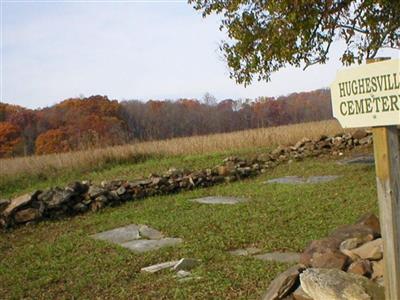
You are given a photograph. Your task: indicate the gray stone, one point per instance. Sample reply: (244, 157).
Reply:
(148, 245)
(17, 203)
(282, 285)
(119, 235)
(183, 274)
(219, 200)
(302, 180)
(186, 264)
(159, 267)
(96, 191)
(283, 257)
(363, 159)
(59, 197)
(334, 284)
(149, 233)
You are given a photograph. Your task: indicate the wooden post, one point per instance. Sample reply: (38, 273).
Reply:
(387, 166)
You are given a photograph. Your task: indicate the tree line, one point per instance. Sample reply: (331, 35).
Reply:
(96, 121)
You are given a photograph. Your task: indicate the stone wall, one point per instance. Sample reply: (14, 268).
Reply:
(80, 197)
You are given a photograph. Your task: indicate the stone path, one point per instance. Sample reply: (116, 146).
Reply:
(219, 200)
(138, 238)
(363, 159)
(282, 257)
(303, 180)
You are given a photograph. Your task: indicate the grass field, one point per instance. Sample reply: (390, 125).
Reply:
(58, 259)
(56, 164)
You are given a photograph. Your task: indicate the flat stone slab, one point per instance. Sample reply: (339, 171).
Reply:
(148, 245)
(119, 235)
(363, 159)
(303, 180)
(138, 238)
(283, 257)
(245, 252)
(219, 200)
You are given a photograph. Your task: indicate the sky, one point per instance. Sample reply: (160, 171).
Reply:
(54, 50)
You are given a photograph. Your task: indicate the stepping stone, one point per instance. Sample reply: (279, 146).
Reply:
(283, 257)
(138, 238)
(303, 180)
(219, 200)
(363, 159)
(148, 245)
(119, 235)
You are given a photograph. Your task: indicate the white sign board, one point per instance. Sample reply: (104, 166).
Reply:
(367, 95)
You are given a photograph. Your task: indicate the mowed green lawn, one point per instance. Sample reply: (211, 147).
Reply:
(59, 260)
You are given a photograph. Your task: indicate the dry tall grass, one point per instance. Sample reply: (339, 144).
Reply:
(85, 160)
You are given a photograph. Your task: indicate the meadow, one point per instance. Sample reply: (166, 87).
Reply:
(25, 173)
(59, 259)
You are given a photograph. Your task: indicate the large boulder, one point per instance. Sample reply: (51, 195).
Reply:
(334, 284)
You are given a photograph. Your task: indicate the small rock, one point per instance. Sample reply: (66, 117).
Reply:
(372, 250)
(334, 284)
(351, 243)
(183, 274)
(80, 207)
(27, 215)
(17, 203)
(96, 191)
(3, 204)
(378, 268)
(121, 190)
(186, 264)
(361, 267)
(282, 285)
(159, 267)
(359, 134)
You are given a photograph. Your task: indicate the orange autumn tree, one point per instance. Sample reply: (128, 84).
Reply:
(53, 141)
(10, 140)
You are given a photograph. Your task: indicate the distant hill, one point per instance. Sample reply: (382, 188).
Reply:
(96, 121)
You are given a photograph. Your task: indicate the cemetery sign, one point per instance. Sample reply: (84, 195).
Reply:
(367, 95)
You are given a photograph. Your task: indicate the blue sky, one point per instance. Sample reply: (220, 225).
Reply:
(127, 50)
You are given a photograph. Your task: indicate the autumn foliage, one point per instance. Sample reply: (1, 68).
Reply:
(78, 124)
(10, 139)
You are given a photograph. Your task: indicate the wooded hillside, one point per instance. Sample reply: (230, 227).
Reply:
(96, 121)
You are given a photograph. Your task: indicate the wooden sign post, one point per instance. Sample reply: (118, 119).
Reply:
(369, 96)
